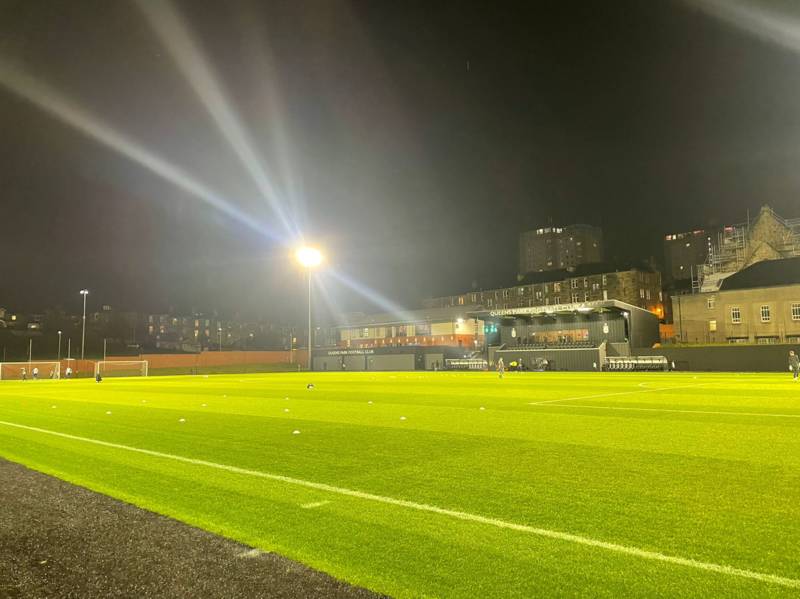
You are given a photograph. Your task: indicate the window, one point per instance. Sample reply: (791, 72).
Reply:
(641, 294)
(556, 287)
(364, 333)
(474, 298)
(585, 282)
(460, 300)
(604, 280)
(712, 326)
(595, 286)
(647, 293)
(574, 283)
(505, 293)
(575, 299)
(711, 302)
(766, 340)
(765, 315)
(586, 297)
(538, 294)
(795, 311)
(520, 291)
(556, 300)
(736, 315)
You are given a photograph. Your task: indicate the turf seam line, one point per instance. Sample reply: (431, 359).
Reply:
(714, 412)
(455, 514)
(547, 401)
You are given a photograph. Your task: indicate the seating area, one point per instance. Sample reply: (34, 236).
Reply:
(564, 344)
(636, 363)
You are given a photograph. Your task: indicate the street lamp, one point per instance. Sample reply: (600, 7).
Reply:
(219, 332)
(84, 293)
(59, 346)
(309, 258)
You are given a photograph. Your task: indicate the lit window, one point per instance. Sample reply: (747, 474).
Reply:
(556, 287)
(712, 326)
(736, 315)
(641, 293)
(520, 291)
(765, 315)
(460, 300)
(604, 280)
(575, 298)
(795, 311)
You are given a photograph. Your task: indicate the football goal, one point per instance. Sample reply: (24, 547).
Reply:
(17, 371)
(121, 368)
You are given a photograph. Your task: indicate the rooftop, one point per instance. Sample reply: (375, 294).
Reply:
(769, 273)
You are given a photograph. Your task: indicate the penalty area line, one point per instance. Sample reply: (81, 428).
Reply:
(455, 514)
(713, 412)
(599, 395)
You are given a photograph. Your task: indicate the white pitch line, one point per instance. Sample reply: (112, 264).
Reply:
(424, 507)
(311, 506)
(719, 413)
(538, 403)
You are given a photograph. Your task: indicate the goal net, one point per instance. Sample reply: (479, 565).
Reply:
(121, 368)
(17, 371)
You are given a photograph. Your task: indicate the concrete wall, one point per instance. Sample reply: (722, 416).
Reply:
(726, 358)
(431, 359)
(559, 359)
(391, 362)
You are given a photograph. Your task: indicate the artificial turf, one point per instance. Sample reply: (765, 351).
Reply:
(696, 466)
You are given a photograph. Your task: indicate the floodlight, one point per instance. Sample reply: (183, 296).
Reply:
(308, 257)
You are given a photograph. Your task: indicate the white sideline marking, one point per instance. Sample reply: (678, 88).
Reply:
(250, 553)
(424, 507)
(648, 390)
(310, 506)
(720, 413)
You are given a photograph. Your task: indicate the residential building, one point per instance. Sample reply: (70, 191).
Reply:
(556, 248)
(758, 304)
(684, 252)
(638, 286)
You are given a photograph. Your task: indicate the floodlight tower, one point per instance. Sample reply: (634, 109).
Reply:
(84, 293)
(309, 258)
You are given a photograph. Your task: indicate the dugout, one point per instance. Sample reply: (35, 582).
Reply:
(570, 336)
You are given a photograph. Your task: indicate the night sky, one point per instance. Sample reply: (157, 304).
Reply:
(413, 140)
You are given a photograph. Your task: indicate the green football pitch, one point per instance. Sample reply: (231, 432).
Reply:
(452, 484)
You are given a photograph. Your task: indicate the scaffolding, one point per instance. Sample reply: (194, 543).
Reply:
(730, 252)
(725, 257)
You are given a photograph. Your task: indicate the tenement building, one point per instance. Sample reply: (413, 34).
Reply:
(759, 304)
(555, 248)
(637, 286)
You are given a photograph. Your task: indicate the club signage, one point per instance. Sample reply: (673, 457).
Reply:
(350, 352)
(577, 307)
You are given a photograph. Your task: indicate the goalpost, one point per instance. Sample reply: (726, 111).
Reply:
(121, 368)
(16, 371)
